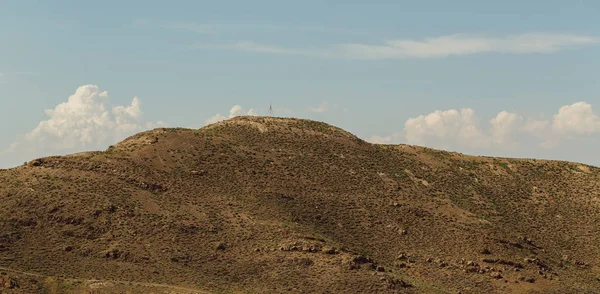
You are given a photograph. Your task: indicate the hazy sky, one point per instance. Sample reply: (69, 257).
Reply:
(501, 78)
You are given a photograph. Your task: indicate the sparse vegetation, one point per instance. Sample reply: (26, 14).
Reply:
(267, 205)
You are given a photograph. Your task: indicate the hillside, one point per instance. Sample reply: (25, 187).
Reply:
(270, 205)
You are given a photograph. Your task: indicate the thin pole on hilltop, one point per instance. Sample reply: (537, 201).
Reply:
(271, 112)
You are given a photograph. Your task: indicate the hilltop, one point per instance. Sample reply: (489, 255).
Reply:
(270, 205)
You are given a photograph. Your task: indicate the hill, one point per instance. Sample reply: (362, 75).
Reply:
(270, 205)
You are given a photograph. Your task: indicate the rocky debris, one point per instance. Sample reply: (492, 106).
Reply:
(580, 263)
(7, 282)
(117, 254)
(407, 258)
(305, 247)
(402, 256)
(479, 270)
(528, 280)
(221, 246)
(398, 229)
(36, 162)
(486, 251)
(312, 248)
(358, 260)
(198, 172)
(440, 262)
(184, 259)
(151, 187)
(395, 284)
(361, 259)
(330, 250)
(544, 275)
(146, 186)
(528, 241)
(503, 262)
(111, 209)
(496, 275)
(305, 262)
(541, 265)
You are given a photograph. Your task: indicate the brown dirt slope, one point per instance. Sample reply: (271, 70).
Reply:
(270, 205)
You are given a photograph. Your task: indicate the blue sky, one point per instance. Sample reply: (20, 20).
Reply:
(502, 78)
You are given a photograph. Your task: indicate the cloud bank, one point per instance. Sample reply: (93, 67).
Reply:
(436, 47)
(462, 130)
(576, 120)
(236, 110)
(461, 44)
(84, 121)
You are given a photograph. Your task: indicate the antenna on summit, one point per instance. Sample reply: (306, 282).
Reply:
(271, 112)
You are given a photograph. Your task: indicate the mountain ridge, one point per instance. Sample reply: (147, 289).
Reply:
(261, 204)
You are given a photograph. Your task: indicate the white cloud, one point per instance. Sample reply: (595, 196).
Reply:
(460, 130)
(323, 107)
(126, 113)
(503, 128)
(535, 127)
(445, 129)
(461, 44)
(236, 110)
(380, 140)
(393, 138)
(158, 124)
(576, 119)
(249, 46)
(215, 119)
(83, 121)
(443, 46)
